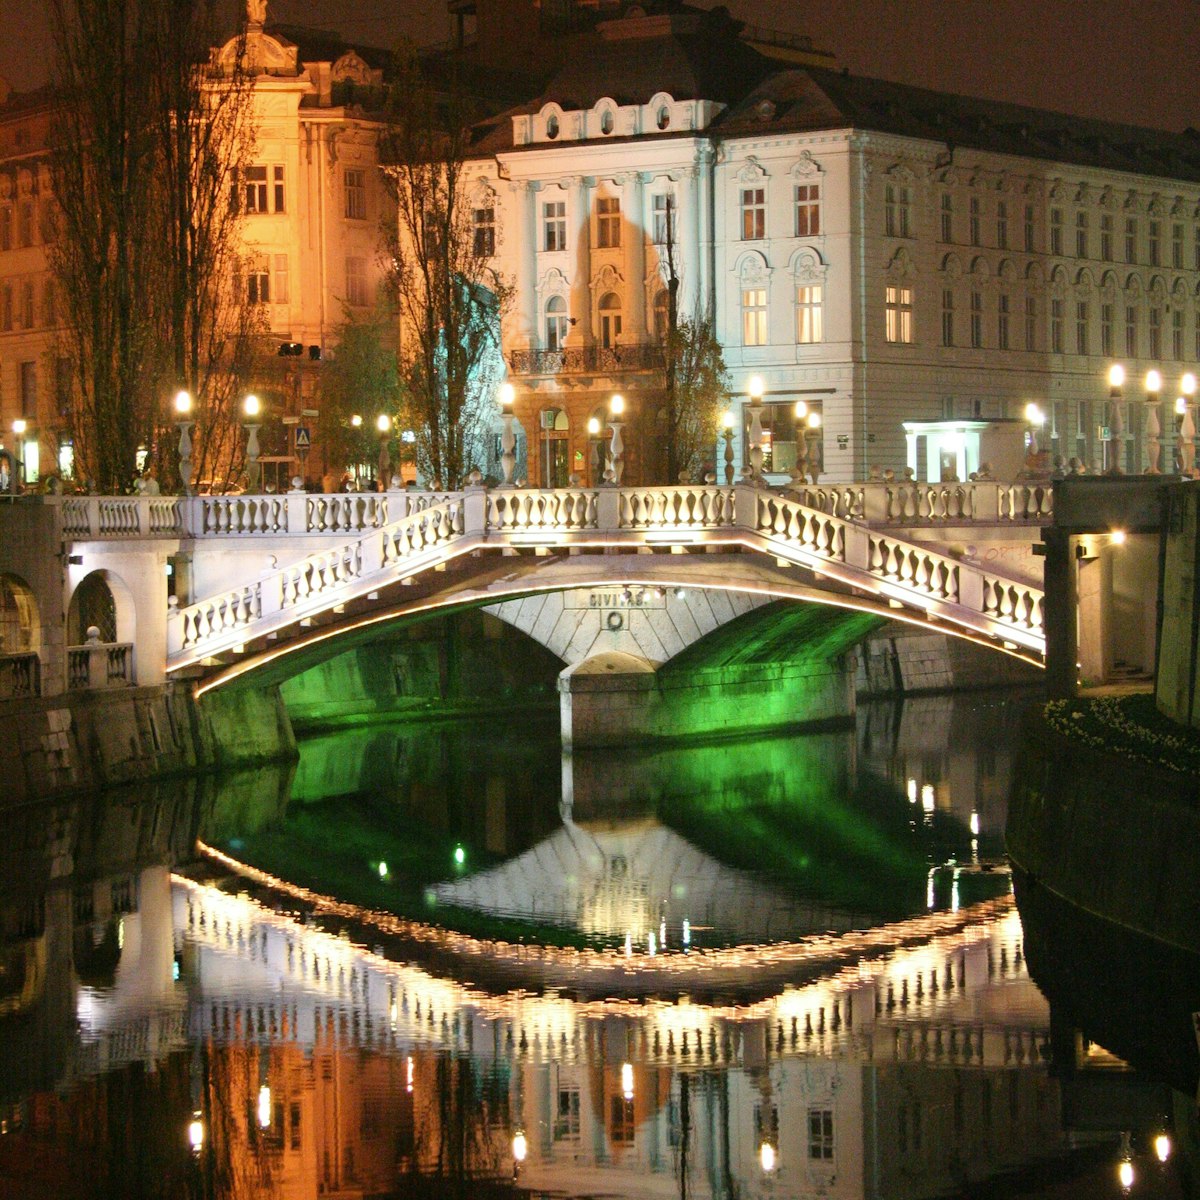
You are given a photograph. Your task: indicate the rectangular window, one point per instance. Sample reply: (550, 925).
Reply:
(1177, 335)
(254, 190)
(1002, 320)
(947, 316)
(809, 314)
(1081, 235)
(1030, 323)
(258, 284)
(976, 320)
(754, 316)
(277, 189)
(6, 227)
(1002, 224)
(1154, 241)
(566, 1119)
(48, 221)
(356, 281)
(898, 310)
(1177, 247)
(662, 213)
(973, 221)
(1131, 331)
(1029, 228)
(1056, 326)
(1106, 330)
(554, 225)
(621, 1127)
(1106, 236)
(483, 232)
(49, 305)
(1155, 328)
(754, 214)
(279, 280)
(25, 223)
(947, 217)
(1056, 231)
(808, 209)
(1131, 239)
(1081, 327)
(820, 1134)
(27, 307)
(897, 203)
(6, 307)
(355, 180)
(28, 378)
(608, 222)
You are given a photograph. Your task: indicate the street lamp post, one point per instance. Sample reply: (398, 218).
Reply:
(184, 423)
(251, 408)
(616, 408)
(727, 421)
(383, 423)
(1153, 425)
(1187, 426)
(814, 461)
(755, 388)
(593, 428)
(800, 469)
(1035, 417)
(1116, 418)
(508, 457)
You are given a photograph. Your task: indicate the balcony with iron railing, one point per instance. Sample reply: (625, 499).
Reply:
(587, 360)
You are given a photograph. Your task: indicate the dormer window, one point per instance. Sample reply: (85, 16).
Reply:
(606, 122)
(552, 126)
(664, 117)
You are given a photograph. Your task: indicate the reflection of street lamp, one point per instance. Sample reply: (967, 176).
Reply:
(799, 469)
(1187, 427)
(384, 424)
(616, 409)
(520, 1148)
(1116, 417)
(1153, 424)
(755, 388)
(1125, 1172)
(727, 421)
(251, 408)
(766, 1156)
(18, 427)
(184, 423)
(508, 458)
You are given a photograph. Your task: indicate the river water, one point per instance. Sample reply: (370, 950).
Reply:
(453, 961)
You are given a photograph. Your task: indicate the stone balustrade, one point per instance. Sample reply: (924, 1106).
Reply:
(20, 676)
(98, 665)
(909, 503)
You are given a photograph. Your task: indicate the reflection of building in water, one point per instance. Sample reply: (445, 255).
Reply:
(894, 1077)
(640, 880)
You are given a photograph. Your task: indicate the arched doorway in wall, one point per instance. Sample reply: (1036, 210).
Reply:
(20, 624)
(101, 599)
(554, 457)
(610, 320)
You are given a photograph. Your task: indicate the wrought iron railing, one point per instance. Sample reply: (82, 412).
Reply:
(583, 360)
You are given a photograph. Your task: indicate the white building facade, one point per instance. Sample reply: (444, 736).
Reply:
(884, 254)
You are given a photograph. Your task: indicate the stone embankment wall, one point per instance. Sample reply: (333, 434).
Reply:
(1116, 838)
(88, 740)
(1177, 680)
(901, 660)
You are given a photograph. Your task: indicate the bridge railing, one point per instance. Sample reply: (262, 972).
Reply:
(890, 503)
(99, 665)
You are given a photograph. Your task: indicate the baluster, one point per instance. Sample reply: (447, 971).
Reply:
(920, 573)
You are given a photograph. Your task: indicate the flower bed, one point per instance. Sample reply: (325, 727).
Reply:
(1128, 725)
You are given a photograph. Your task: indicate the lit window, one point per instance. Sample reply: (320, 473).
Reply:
(556, 323)
(809, 314)
(754, 214)
(808, 209)
(258, 284)
(898, 310)
(356, 281)
(554, 225)
(754, 316)
(356, 194)
(608, 222)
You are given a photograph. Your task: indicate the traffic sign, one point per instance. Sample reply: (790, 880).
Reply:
(303, 440)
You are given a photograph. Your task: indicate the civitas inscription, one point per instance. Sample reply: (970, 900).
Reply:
(616, 598)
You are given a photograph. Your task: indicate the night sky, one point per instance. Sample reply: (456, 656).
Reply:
(1133, 61)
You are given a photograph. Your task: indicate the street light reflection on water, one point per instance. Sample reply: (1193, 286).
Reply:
(320, 1044)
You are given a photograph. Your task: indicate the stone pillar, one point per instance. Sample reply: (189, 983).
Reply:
(579, 246)
(635, 258)
(707, 300)
(687, 245)
(527, 262)
(1059, 614)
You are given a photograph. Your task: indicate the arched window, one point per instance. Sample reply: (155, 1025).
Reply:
(552, 127)
(19, 625)
(606, 121)
(92, 604)
(664, 117)
(662, 315)
(610, 319)
(556, 323)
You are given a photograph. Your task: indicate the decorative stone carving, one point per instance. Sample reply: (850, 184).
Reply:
(806, 168)
(752, 171)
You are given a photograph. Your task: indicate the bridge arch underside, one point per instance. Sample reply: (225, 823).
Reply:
(642, 646)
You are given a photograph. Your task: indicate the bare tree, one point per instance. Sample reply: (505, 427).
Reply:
(448, 294)
(148, 142)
